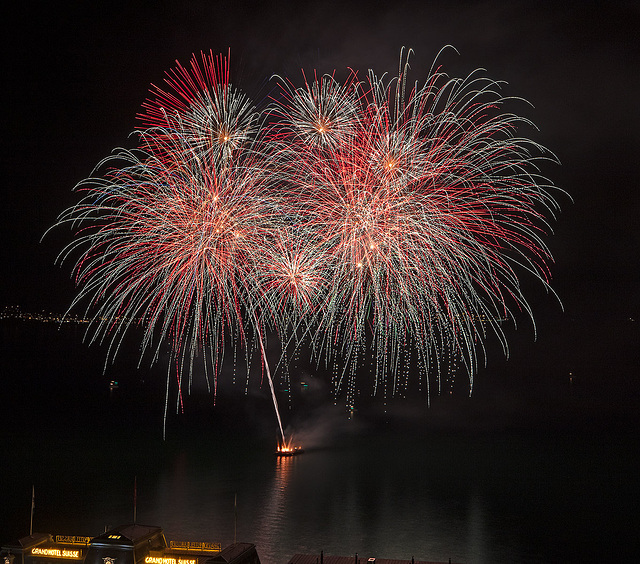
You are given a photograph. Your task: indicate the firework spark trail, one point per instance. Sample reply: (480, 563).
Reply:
(366, 215)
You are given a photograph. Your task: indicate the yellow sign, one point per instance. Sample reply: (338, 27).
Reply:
(62, 539)
(164, 560)
(56, 552)
(200, 546)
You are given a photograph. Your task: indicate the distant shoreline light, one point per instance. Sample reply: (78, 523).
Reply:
(14, 312)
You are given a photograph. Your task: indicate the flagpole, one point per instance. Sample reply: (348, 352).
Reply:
(33, 502)
(135, 498)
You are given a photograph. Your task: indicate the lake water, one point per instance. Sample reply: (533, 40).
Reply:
(553, 495)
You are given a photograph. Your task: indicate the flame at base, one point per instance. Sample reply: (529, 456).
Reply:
(285, 449)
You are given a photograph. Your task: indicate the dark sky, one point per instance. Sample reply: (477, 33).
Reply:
(75, 74)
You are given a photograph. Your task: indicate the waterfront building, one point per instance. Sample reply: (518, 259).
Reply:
(126, 544)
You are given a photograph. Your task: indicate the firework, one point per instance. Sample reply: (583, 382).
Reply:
(425, 204)
(169, 244)
(360, 217)
(167, 235)
(322, 115)
(200, 108)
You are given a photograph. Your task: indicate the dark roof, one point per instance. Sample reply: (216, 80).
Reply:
(128, 534)
(231, 553)
(26, 542)
(326, 559)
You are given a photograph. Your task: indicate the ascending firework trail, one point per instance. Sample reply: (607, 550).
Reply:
(268, 370)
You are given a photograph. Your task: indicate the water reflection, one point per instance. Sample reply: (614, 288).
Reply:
(272, 519)
(476, 529)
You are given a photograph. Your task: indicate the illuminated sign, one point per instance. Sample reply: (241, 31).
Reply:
(56, 552)
(201, 546)
(61, 539)
(164, 560)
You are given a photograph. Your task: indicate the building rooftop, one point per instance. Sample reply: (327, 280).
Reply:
(326, 559)
(26, 542)
(237, 552)
(131, 534)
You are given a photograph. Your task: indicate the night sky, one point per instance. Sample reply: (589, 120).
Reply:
(76, 73)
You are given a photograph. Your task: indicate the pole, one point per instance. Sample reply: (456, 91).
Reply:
(135, 498)
(235, 517)
(33, 504)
